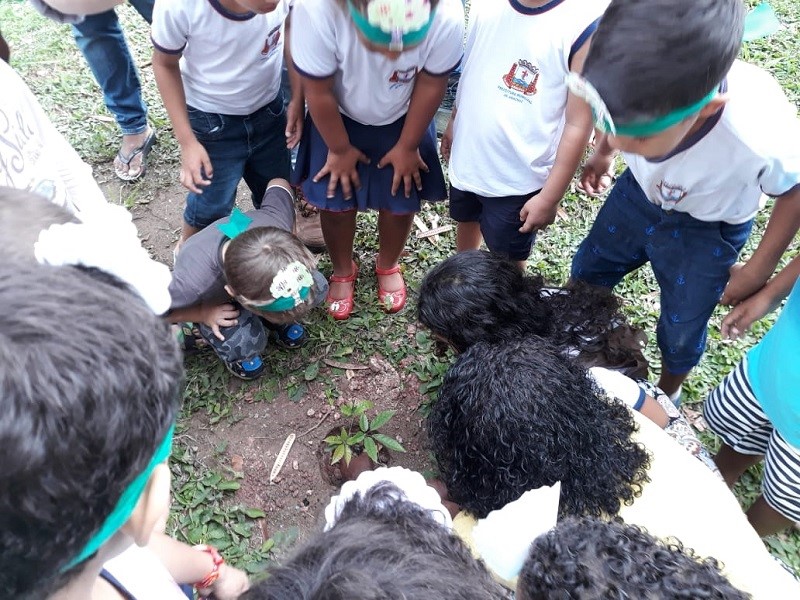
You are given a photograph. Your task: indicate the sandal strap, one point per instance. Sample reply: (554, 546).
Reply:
(389, 271)
(346, 278)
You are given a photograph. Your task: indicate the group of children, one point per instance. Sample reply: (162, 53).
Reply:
(704, 136)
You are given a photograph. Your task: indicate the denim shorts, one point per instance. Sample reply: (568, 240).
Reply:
(252, 147)
(498, 218)
(690, 259)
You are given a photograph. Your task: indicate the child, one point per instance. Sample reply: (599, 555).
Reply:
(373, 80)
(86, 437)
(380, 543)
(756, 408)
(517, 416)
(591, 558)
(245, 269)
(704, 137)
(517, 134)
(218, 68)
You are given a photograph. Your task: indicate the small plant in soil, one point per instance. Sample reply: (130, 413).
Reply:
(361, 435)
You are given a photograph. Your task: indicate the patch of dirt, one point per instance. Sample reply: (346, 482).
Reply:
(299, 495)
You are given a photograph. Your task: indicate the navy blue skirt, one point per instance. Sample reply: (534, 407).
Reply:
(376, 184)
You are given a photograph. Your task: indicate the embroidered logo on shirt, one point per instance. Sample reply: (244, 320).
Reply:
(273, 39)
(403, 75)
(670, 194)
(522, 77)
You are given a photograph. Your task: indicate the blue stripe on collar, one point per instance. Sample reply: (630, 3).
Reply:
(528, 10)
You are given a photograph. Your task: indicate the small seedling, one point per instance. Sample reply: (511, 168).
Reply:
(362, 434)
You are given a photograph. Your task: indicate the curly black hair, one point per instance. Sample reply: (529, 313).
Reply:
(83, 413)
(477, 296)
(594, 559)
(517, 416)
(382, 547)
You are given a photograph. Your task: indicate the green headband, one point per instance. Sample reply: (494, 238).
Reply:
(396, 39)
(582, 88)
(127, 502)
(285, 303)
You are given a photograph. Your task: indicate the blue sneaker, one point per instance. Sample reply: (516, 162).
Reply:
(249, 369)
(290, 335)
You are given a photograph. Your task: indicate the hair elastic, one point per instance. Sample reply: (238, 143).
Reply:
(582, 88)
(395, 24)
(126, 503)
(237, 224)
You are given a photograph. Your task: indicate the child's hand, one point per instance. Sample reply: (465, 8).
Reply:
(195, 167)
(597, 174)
(744, 282)
(295, 114)
(407, 165)
(224, 315)
(231, 584)
(447, 140)
(747, 312)
(342, 169)
(537, 213)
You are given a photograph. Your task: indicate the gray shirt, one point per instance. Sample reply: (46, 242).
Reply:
(198, 277)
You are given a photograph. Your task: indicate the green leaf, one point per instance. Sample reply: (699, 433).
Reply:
(255, 513)
(356, 438)
(311, 371)
(363, 423)
(332, 440)
(268, 545)
(347, 410)
(371, 449)
(229, 485)
(348, 454)
(337, 455)
(388, 442)
(381, 419)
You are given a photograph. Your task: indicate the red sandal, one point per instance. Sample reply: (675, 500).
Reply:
(340, 308)
(391, 302)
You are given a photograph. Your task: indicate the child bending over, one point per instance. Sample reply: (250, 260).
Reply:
(517, 133)
(756, 408)
(374, 72)
(86, 436)
(244, 272)
(704, 137)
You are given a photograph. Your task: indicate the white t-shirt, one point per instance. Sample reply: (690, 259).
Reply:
(370, 87)
(231, 63)
(143, 575)
(752, 149)
(34, 156)
(512, 96)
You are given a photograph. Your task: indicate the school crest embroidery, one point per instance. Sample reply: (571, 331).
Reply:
(522, 77)
(670, 194)
(403, 75)
(273, 38)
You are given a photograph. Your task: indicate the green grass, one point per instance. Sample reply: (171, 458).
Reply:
(45, 55)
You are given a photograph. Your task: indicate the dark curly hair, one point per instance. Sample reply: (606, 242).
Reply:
(382, 547)
(477, 296)
(82, 413)
(517, 416)
(593, 559)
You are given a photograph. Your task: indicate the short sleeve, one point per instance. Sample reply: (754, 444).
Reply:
(170, 30)
(313, 39)
(782, 169)
(616, 385)
(446, 39)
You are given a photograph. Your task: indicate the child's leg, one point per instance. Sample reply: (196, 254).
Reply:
(691, 261)
(268, 156)
(465, 208)
(225, 140)
(733, 413)
(393, 233)
(499, 221)
(616, 244)
(339, 230)
(242, 347)
(779, 505)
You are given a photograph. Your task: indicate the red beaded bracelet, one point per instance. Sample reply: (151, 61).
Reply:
(212, 577)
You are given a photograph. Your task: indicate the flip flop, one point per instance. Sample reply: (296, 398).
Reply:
(144, 150)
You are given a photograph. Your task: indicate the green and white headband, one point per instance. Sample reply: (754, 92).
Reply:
(395, 24)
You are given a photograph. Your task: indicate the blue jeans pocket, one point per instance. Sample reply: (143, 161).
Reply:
(206, 126)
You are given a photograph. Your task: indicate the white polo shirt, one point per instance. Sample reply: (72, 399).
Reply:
(751, 149)
(231, 63)
(512, 96)
(370, 87)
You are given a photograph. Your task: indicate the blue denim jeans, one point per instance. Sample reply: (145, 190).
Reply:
(250, 146)
(100, 39)
(690, 259)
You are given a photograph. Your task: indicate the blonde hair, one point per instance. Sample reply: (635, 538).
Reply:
(254, 258)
